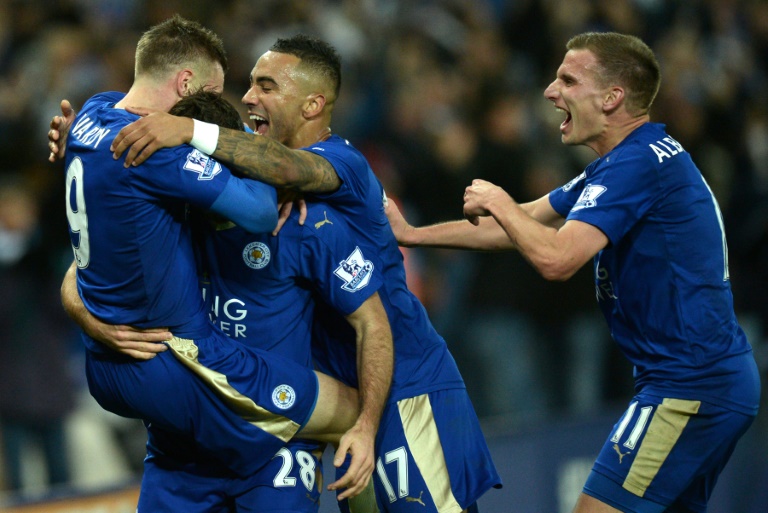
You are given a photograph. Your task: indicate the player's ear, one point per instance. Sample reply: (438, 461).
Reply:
(313, 105)
(613, 98)
(184, 82)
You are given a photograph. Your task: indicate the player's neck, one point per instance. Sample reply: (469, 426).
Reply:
(147, 96)
(325, 133)
(310, 134)
(616, 132)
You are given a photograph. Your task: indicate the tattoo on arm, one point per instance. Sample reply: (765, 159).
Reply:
(265, 159)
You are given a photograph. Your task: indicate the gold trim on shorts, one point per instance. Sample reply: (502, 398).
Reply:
(667, 425)
(424, 443)
(186, 351)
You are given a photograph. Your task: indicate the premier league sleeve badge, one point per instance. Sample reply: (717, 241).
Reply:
(355, 271)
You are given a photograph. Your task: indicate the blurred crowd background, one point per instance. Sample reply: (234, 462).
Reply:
(435, 93)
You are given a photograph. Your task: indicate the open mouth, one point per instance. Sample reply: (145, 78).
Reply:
(567, 119)
(260, 124)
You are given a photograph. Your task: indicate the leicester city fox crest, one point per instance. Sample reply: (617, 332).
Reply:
(256, 255)
(283, 396)
(355, 271)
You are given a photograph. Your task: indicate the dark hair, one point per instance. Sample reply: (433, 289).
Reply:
(626, 61)
(178, 42)
(211, 107)
(318, 56)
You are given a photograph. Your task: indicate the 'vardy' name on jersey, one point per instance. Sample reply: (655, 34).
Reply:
(88, 133)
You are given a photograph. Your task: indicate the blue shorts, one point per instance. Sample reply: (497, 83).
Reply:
(177, 479)
(431, 453)
(241, 405)
(665, 453)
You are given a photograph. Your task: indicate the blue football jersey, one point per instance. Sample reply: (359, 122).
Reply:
(422, 360)
(261, 290)
(129, 228)
(662, 282)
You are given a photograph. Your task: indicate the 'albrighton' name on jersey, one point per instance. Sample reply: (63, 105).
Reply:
(666, 148)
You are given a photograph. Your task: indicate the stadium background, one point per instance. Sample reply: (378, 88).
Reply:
(435, 93)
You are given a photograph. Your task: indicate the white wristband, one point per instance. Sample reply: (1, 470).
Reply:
(205, 136)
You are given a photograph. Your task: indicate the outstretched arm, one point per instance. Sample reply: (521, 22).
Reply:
(139, 344)
(495, 222)
(555, 252)
(484, 235)
(460, 234)
(257, 157)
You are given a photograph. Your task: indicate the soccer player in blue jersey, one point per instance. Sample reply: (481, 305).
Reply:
(260, 290)
(645, 216)
(135, 266)
(429, 449)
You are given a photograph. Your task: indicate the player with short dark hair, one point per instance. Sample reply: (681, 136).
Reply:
(209, 105)
(429, 446)
(135, 266)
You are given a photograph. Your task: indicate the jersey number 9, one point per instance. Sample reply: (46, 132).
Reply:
(76, 214)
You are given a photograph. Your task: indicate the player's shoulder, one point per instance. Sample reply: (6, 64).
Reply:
(648, 145)
(323, 221)
(103, 99)
(186, 158)
(338, 147)
(99, 111)
(181, 167)
(334, 142)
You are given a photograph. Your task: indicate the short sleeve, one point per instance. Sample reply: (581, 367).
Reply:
(617, 194)
(350, 166)
(185, 174)
(345, 272)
